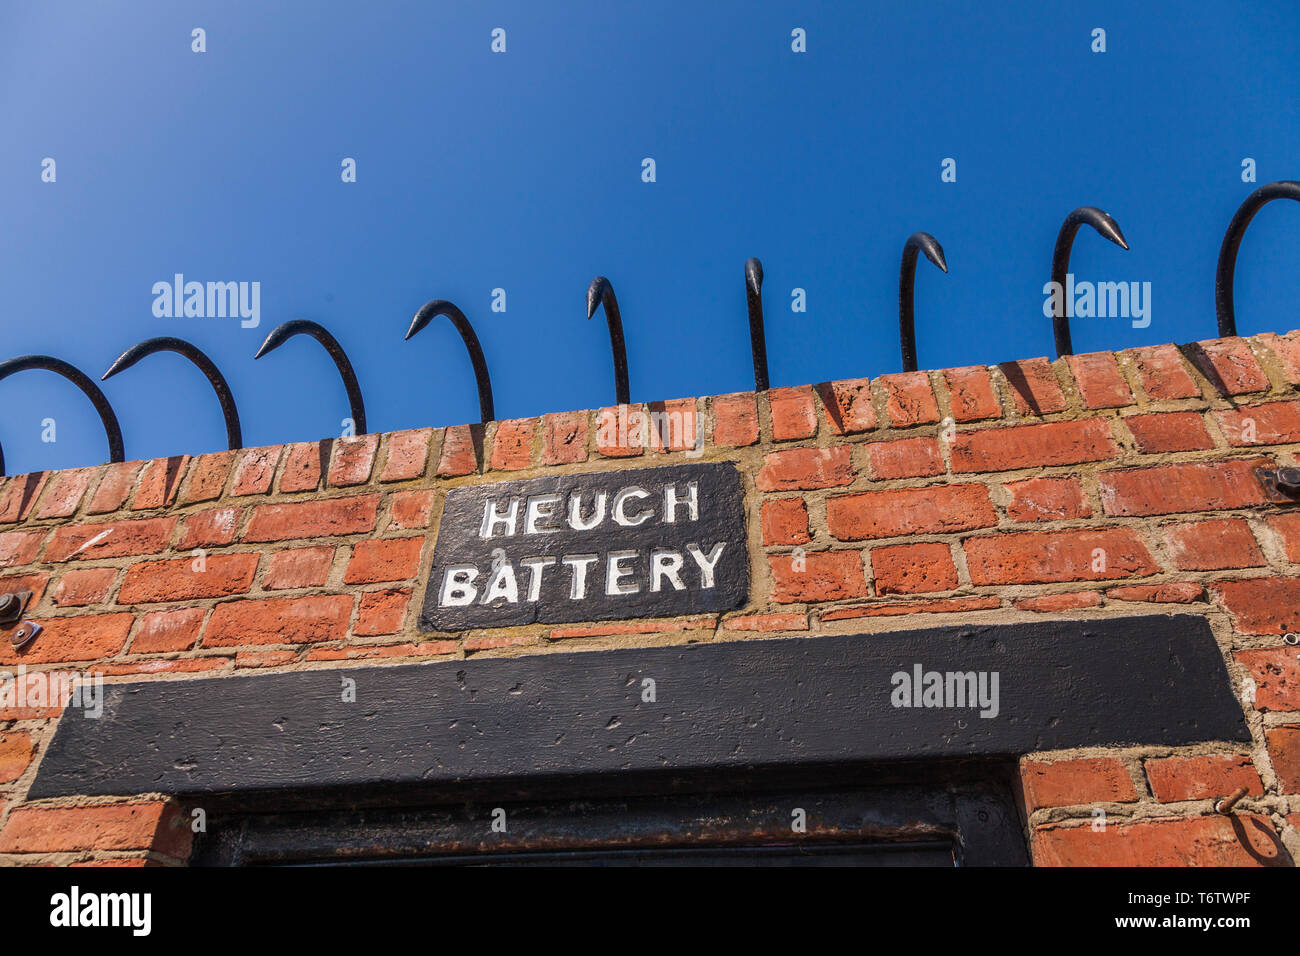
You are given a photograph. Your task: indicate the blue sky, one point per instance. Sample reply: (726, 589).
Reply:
(522, 171)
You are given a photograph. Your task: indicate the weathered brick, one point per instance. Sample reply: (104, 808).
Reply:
(892, 608)
(564, 438)
(154, 825)
(16, 752)
(675, 425)
(20, 495)
(1098, 378)
(461, 446)
(1212, 545)
(255, 470)
(1064, 783)
(909, 399)
(87, 637)
(622, 431)
(1262, 605)
(408, 454)
(411, 509)
(1056, 603)
(109, 539)
(735, 420)
(303, 465)
(217, 575)
(1044, 557)
(1176, 592)
(115, 484)
(972, 398)
(209, 529)
(1169, 431)
(313, 519)
(906, 458)
(1243, 839)
(393, 559)
(207, 477)
(1186, 487)
(1284, 752)
(382, 612)
(767, 622)
(1033, 385)
(67, 488)
(160, 482)
(1046, 499)
(848, 406)
(794, 415)
(1272, 423)
(19, 547)
(817, 576)
(165, 631)
(300, 620)
(913, 568)
(1230, 366)
(512, 446)
(785, 521)
(297, 568)
(1287, 349)
(799, 469)
(1287, 527)
(1032, 446)
(1276, 673)
(353, 460)
(1202, 777)
(940, 509)
(1162, 373)
(82, 586)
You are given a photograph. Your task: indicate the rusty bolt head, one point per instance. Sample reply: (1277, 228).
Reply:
(1288, 479)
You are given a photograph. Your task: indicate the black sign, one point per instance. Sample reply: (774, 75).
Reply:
(654, 542)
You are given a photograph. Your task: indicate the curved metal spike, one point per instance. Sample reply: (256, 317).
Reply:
(431, 310)
(78, 378)
(754, 302)
(1105, 226)
(916, 242)
(600, 292)
(285, 331)
(167, 343)
(1223, 305)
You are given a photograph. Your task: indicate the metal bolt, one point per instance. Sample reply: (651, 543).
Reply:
(25, 632)
(1291, 638)
(1288, 479)
(1227, 803)
(7, 604)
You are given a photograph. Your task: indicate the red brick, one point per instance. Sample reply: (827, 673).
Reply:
(88, 637)
(908, 458)
(848, 406)
(424, 649)
(208, 477)
(1032, 446)
(82, 586)
(303, 464)
(1276, 673)
(408, 454)
(1162, 373)
(164, 631)
(352, 460)
(1098, 378)
(160, 483)
(1043, 557)
(767, 622)
(313, 518)
(382, 612)
(735, 420)
(208, 529)
(394, 559)
(1262, 605)
(180, 580)
(1046, 499)
(156, 825)
(255, 470)
(19, 547)
(1202, 778)
(298, 568)
(1230, 362)
(785, 521)
(1287, 349)
(1055, 603)
(794, 415)
(940, 509)
(1178, 592)
(67, 488)
(1243, 839)
(300, 620)
(16, 752)
(1273, 423)
(1284, 751)
(675, 425)
(411, 509)
(1287, 528)
(943, 606)
(1065, 783)
(115, 484)
(799, 469)
(183, 665)
(817, 576)
(110, 539)
(913, 568)
(1033, 386)
(1191, 486)
(621, 431)
(35, 583)
(1169, 431)
(909, 399)
(971, 394)
(250, 659)
(512, 447)
(20, 496)
(564, 438)
(461, 445)
(1212, 545)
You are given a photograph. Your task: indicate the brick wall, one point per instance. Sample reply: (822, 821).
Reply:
(1097, 485)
